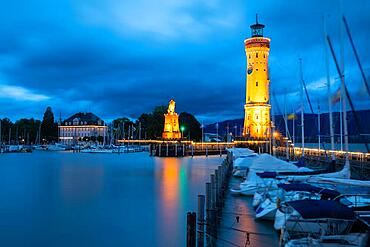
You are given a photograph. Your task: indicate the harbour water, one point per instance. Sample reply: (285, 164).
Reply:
(76, 199)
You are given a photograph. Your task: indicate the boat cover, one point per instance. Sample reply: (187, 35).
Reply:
(298, 173)
(327, 193)
(267, 174)
(319, 209)
(269, 163)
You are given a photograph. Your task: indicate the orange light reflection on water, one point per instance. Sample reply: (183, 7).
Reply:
(169, 201)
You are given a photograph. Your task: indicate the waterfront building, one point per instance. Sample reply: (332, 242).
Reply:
(257, 122)
(171, 128)
(82, 127)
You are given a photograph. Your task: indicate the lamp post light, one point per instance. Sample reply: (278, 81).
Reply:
(182, 128)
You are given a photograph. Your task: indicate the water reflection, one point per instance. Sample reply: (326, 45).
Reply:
(168, 170)
(65, 199)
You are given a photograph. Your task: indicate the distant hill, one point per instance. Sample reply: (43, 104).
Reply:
(310, 121)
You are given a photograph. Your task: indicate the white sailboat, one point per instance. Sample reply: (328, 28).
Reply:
(263, 163)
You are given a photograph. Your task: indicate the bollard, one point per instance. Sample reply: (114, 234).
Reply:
(192, 151)
(183, 150)
(201, 201)
(221, 185)
(160, 150)
(213, 191)
(167, 149)
(190, 229)
(206, 151)
(209, 239)
(217, 184)
(208, 209)
(175, 149)
(221, 176)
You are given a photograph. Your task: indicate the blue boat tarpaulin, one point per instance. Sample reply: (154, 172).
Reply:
(319, 209)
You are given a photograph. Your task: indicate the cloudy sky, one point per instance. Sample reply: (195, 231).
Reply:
(121, 58)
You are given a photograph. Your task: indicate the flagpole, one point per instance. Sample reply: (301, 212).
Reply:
(294, 128)
(217, 131)
(202, 134)
(286, 128)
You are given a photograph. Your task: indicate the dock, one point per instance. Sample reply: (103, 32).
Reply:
(226, 220)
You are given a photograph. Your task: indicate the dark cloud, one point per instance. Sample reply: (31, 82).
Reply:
(86, 57)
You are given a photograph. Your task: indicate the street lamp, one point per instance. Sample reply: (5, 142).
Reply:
(182, 128)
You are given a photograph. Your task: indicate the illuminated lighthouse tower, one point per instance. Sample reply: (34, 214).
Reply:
(257, 108)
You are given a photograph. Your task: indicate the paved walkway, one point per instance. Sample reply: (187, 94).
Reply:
(232, 233)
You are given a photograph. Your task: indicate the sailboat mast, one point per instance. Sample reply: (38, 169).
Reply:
(286, 128)
(104, 129)
(123, 129)
(341, 119)
(318, 125)
(39, 136)
(344, 101)
(302, 106)
(331, 126)
(0, 134)
(10, 134)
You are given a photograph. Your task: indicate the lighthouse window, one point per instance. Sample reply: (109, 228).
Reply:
(249, 98)
(256, 83)
(257, 54)
(264, 56)
(249, 56)
(256, 69)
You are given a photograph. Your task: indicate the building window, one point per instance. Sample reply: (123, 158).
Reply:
(256, 83)
(256, 69)
(257, 54)
(249, 98)
(249, 56)
(264, 56)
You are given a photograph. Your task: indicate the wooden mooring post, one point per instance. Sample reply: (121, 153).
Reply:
(209, 238)
(200, 219)
(191, 229)
(210, 206)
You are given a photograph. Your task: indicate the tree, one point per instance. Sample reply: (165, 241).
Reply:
(25, 130)
(6, 125)
(192, 128)
(152, 123)
(49, 129)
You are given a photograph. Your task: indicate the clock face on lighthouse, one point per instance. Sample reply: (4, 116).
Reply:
(250, 69)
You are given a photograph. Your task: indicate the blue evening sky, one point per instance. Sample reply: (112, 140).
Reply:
(121, 58)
